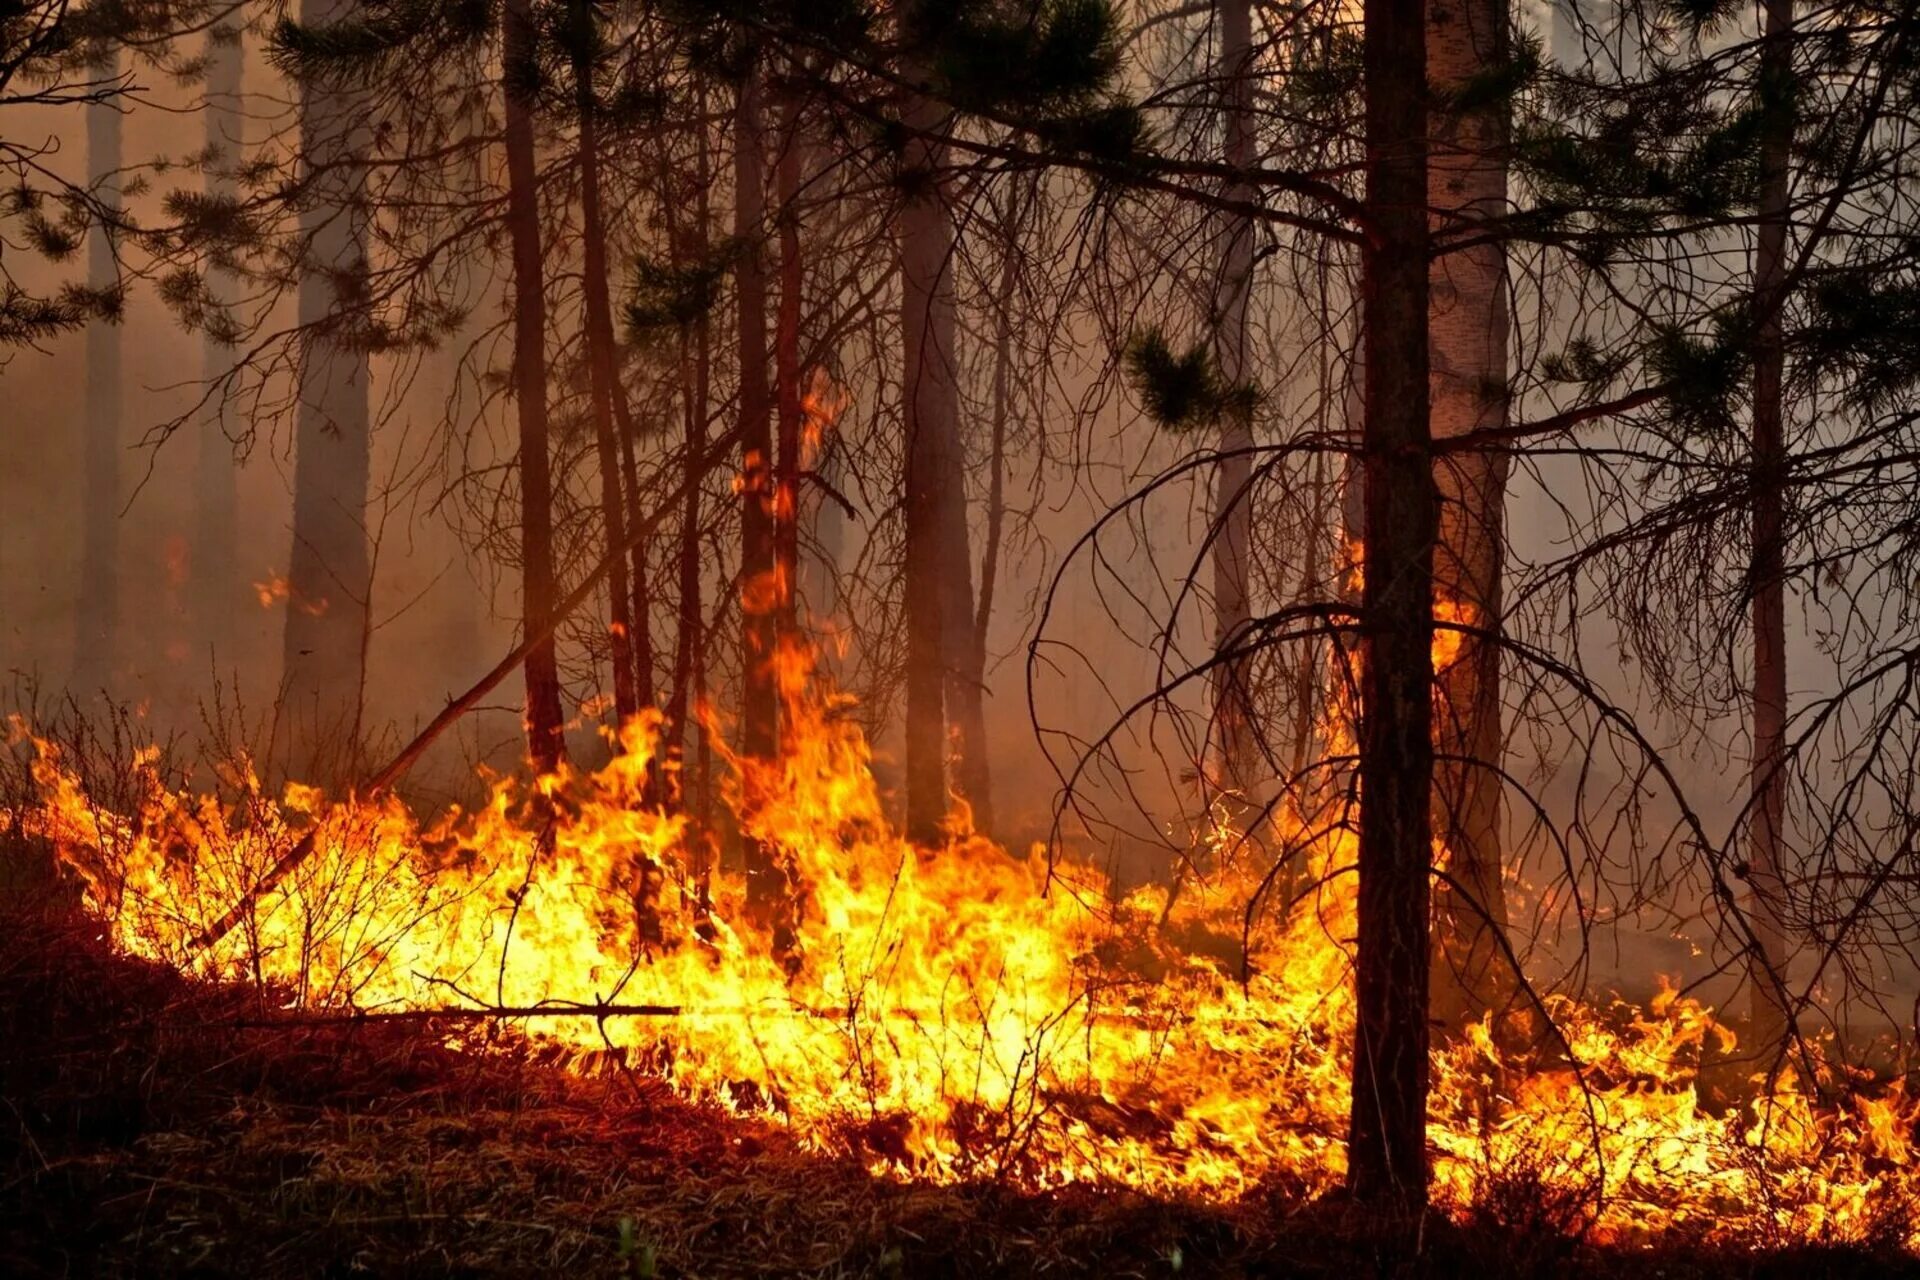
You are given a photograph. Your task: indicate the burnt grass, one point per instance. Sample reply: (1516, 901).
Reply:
(151, 1124)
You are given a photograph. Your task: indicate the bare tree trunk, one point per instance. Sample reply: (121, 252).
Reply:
(996, 512)
(1771, 1017)
(687, 686)
(1386, 1150)
(933, 474)
(692, 622)
(602, 365)
(1467, 181)
(330, 573)
(98, 621)
(640, 612)
(546, 743)
(759, 711)
(787, 375)
(1236, 754)
(214, 559)
(766, 881)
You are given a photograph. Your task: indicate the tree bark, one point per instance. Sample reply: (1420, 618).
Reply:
(546, 743)
(926, 240)
(687, 677)
(996, 505)
(787, 377)
(330, 574)
(759, 710)
(1771, 1017)
(602, 363)
(214, 558)
(1236, 753)
(1387, 1160)
(1467, 181)
(98, 620)
(759, 570)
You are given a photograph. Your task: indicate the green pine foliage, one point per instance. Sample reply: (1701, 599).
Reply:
(1183, 391)
(380, 36)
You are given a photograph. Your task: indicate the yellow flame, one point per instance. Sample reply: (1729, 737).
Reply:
(955, 1012)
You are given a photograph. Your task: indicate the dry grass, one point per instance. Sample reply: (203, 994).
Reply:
(157, 1126)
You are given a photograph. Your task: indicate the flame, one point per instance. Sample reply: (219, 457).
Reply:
(965, 1011)
(275, 588)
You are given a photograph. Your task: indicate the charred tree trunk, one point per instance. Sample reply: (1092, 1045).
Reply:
(1467, 182)
(756, 428)
(98, 622)
(1387, 1158)
(546, 743)
(1771, 1017)
(602, 363)
(214, 558)
(944, 706)
(925, 240)
(640, 612)
(787, 377)
(766, 883)
(687, 687)
(330, 574)
(996, 512)
(1236, 753)
(691, 623)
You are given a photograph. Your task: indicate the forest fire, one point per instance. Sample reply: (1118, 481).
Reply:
(968, 1011)
(730, 638)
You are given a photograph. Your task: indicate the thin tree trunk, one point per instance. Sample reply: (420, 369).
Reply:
(1770, 1015)
(1237, 755)
(214, 559)
(687, 687)
(602, 365)
(330, 573)
(98, 621)
(756, 427)
(640, 612)
(1467, 180)
(787, 376)
(766, 882)
(926, 244)
(1386, 1151)
(546, 743)
(996, 512)
(688, 632)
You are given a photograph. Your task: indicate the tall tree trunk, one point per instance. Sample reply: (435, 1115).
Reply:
(330, 574)
(688, 664)
(944, 706)
(691, 621)
(1002, 410)
(1770, 1014)
(926, 305)
(98, 621)
(787, 377)
(1236, 753)
(756, 427)
(640, 611)
(1467, 181)
(214, 559)
(602, 365)
(1386, 1155)
(766, 881)
(546, 744)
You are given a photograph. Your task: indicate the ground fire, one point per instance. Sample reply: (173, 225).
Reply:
(960, 638)
(966, 1011)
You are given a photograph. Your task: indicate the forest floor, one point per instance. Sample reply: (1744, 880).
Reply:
(154, 1125)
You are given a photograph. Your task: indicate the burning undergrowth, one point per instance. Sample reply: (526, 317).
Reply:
(957, 1017)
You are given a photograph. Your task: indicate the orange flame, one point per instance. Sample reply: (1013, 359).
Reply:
(956, 1012)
